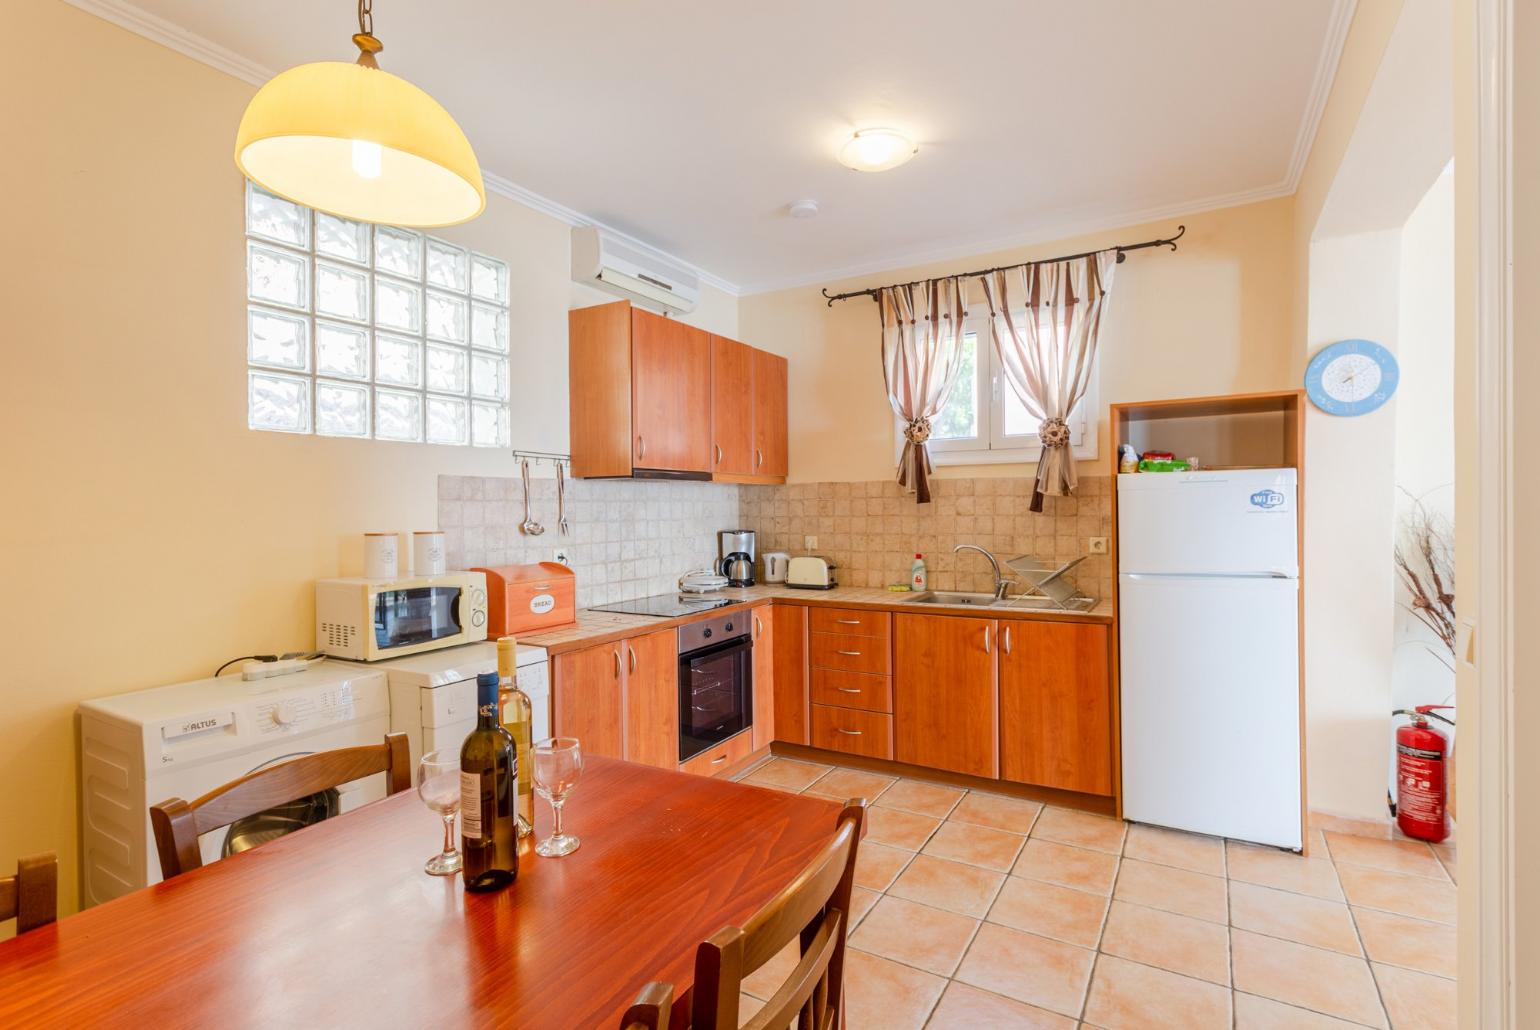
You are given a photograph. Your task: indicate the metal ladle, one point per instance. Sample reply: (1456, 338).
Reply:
(529, 526)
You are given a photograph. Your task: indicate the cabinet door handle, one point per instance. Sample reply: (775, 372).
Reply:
(759, 457)
(758, 627)
(1005, 639)
(848, 733)
(848, 690)
(719, 759)
(641, 447)
(718, 452)
(986, 640)
(848, 622)
(616, 653)
(631, 658)
(852, 654)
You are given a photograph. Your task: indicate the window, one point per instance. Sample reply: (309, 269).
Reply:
(371, 331)
(984, 422)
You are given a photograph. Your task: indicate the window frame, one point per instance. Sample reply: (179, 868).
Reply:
(992, 446)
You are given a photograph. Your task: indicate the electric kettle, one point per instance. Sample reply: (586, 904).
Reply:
(738, 567)
(776, 563)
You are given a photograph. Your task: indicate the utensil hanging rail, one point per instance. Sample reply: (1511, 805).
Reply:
(1122, 249)
(543, 456)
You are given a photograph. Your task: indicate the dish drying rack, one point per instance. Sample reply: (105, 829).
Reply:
(1049, 579)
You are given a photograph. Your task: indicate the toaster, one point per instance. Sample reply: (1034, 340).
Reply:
(810, 572)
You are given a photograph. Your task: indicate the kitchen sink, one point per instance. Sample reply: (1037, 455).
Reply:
(952, 597)
(1035, 602)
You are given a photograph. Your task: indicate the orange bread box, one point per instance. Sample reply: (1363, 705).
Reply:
(528, 598)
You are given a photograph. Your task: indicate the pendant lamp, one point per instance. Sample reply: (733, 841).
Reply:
(358, 142)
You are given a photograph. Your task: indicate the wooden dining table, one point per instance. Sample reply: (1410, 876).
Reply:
(337, 925)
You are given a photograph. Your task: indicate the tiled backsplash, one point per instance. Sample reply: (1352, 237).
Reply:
(631, 538)
(872, 530)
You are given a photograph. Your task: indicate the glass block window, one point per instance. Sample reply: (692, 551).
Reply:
(371, 331)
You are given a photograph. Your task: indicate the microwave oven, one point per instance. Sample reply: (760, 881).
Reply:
(370, 619)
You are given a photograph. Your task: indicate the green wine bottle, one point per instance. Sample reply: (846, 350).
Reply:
(488, 793)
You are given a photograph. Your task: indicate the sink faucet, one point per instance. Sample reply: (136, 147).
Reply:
(1001, 583)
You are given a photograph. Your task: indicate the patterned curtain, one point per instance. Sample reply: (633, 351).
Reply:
(1043, 323)
(921, 354)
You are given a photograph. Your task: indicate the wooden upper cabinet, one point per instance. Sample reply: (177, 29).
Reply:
(762, 628)
(588, 694)
(732, 407)
(652, 698)
(599, 388)
(1056, 706)
(769, 419)
(670, 394)
(945, 706)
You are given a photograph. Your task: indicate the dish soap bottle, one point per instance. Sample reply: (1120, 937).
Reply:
(919, 579)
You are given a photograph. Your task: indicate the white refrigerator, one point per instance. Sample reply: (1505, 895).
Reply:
(1208, 623)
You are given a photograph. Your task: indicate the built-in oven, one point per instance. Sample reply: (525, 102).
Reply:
(716, 682)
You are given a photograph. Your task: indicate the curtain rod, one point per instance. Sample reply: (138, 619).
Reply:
(1122, 249)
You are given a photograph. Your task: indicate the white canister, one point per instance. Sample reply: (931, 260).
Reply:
(428, 553)
(382, 559)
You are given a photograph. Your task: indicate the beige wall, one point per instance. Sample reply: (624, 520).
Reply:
(148, 535)
(1212, 318)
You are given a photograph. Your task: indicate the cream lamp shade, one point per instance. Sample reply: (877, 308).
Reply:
(355, 141)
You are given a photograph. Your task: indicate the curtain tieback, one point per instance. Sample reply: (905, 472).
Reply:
(1053, 432)
(918, 430)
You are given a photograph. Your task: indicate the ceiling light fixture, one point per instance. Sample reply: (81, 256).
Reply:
(355, 141)
(877, 150)
(802, 208)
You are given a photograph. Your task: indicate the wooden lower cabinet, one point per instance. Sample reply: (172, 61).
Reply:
(621, 699)
(587, 699)
(762, 631)
(652, 699)
(852, 731)
(945, 704)
(788, 629)
(723, 757)
(1056, 706)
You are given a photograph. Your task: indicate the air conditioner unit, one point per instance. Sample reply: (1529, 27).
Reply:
(627, 270)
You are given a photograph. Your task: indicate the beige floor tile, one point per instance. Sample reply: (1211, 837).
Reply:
(1173, 890)
(1377, 829)
(1296, 974)
(1179, 944)
(899, 829)
(861, 902)
(1406, 942)
(878, 865)
(885, 995)
(976, 845)
(1417, 1001)
(747, 1006)
(1254, 1013)
(1283, 870)
(844, 784)
(1174, 848)
(930, 799)
(1294, 917)
(1448, 857)
(768, 978)
(1066, 866)
(785, 773)
(1127, 995)
(968, 1008)
(1367, 887)
(1398, 856)
(1072, 916)
(916, 935)
(950, 885)
(1082, 829)
(1048, 974)
(1002, 813)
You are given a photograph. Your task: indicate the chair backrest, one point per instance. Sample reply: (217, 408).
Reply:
(651, 1009)
(178, 824)
(31, 897)
(814, 907)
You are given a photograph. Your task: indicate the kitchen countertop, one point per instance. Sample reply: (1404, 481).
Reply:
(594, 628)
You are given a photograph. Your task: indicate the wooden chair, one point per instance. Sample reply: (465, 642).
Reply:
(815, 908)
(178, 824)
(31, 897)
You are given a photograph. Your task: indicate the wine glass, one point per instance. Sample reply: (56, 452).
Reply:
(558, 764)
(438, 784)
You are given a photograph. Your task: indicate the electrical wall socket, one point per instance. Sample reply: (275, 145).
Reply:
(563, 557)
(1098, 545)
(809, 543)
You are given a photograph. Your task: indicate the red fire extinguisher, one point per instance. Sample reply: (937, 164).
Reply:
(1422, 774)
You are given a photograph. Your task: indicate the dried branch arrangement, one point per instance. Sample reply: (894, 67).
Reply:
(1425, 563)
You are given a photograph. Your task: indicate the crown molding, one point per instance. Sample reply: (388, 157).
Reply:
(189, 44)
(1320, 88)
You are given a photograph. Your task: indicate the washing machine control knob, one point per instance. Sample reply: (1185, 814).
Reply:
(285, 713)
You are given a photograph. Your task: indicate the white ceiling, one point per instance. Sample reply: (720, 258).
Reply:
(691, 126)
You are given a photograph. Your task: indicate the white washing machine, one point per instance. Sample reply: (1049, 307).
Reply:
(184, 740)
(433, 695)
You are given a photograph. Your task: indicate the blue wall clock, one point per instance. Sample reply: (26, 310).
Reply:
(1351, 377)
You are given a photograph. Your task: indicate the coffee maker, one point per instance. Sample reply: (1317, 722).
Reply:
(735, 556)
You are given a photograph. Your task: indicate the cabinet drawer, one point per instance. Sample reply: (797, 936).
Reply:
(846, 652)
(849, 620)
(722, 757)
(852, 690)
(852, 731)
